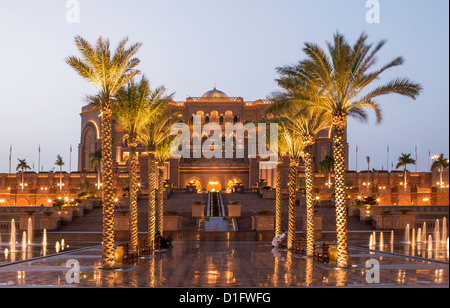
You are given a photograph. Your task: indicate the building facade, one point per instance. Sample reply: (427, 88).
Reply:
(206, 174)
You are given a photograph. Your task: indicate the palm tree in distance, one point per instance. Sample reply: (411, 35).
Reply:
(22, 166)
(441, 163)
(403, 161)
(108, 73)
(96, 163)
(155, 131)
(341, 79)
(59, 162)
(327, 166)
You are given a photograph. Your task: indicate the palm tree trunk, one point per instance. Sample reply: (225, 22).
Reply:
(278, 197)
(60, 178)
(309, 173)
(160, 198)
(340, 194)
(108, 257)
(134, 239)
(151, 199)
(292, 186)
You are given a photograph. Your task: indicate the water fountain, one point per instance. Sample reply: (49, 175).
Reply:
(437, 232)
(24, 240)
(424, 232)
(374, 239)
(62, 244)
(30, 230)
(413, 241)
(419, 235)
(13, 236)
(57, 247)
(371, 242)
(44, 238)
(430, 242)
(444, 231)
(381, 241)
(407, 234)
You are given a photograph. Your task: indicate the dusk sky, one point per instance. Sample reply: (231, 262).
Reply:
(189, 46)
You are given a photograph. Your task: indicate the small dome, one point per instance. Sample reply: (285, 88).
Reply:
(214, 93)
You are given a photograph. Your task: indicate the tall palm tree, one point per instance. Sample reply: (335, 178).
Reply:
(294, 146)
(163, 153)
(307, 123)
(132, 115)
(341, 79)
(403, 161)
(441, 163)
(59, 162)
(96, 163)
(156, 131)
(22, 166)
(108, 73)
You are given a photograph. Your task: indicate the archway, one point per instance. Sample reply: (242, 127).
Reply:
(214, 185)
(232, 183)
(196, 182)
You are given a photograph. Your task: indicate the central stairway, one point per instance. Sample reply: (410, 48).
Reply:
(215, 220)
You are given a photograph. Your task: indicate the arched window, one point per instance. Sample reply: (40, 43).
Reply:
(221, 120)
(235, 119)
(206, 119)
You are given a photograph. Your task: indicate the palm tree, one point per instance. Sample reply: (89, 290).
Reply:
(307, 123)
(86, 189)
(441, 163)
(403, 161)
(22, 166)
(327, 166)
(294, 146)
(163, 153)
(132, 115)
(59, 162)
(156, 131)
(108, 73)
(96, 163)
(340, 80)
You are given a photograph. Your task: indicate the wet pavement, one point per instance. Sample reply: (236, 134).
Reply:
(201, 264)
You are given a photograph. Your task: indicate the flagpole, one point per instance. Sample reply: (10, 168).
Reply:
(387, 158)
(356, 158)
(10, 151)
(70, 160)
(416, 157)
(39, 159)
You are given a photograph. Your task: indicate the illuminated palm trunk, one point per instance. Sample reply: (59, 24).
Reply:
(160, 198)
(340, 194)
(151, 199)
(309, 173)
(292, 186)
(134, 239)
(278, 199)
(108, 257)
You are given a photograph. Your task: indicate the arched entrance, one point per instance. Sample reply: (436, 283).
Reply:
(195, 182)
(214, 185)
(232, 183)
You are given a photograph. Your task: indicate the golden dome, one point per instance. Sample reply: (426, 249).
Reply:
(214, 93)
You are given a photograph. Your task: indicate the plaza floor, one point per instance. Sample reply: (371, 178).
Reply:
(226, 264)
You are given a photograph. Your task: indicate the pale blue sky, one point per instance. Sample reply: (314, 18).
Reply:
(237, 44)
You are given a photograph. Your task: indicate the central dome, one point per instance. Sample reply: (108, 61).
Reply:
(214, 93)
